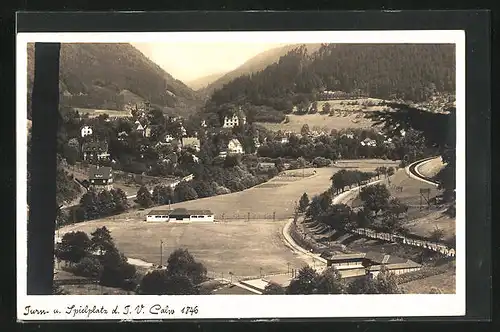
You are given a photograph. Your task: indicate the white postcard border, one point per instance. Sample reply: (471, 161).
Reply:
(237, 306)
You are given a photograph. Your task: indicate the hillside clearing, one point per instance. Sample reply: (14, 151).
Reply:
(446, 282)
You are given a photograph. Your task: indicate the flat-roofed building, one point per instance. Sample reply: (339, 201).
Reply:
(344, 259)
(184, 215)
(180, 215)
(158, 215)
(396, 268)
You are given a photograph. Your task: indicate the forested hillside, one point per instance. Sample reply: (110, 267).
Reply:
(390, 71)
(107, 76)
(255, 64)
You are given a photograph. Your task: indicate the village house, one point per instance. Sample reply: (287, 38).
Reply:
(234, 120)
(263, 166)
(191, 142)
(100, 178)
(86, 131)
(256, 143)
(122, 135)
(138, 127)
(95, 150)
(234, 147)
(369, 142)
(348, 135)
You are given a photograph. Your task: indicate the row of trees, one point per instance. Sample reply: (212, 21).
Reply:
(409, 147)
(379, 210)
(309, 281)
(182, 276)
(98, 204)
(347, 178)
(96, 257)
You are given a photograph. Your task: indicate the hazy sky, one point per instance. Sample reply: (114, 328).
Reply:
(188, 61)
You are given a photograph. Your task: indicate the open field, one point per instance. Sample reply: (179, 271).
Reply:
(318, 120)
(235, 245)
(446, 282)
(431, 167)
(239, 247)
(345, 116)
(421, 221)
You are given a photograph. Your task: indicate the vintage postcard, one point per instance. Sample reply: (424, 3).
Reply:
(247, 174)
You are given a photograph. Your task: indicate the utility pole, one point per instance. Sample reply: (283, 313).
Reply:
(161, 253)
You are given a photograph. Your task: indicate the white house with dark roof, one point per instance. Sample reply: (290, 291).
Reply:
(86, 131)
(100, 178)
(234, 147)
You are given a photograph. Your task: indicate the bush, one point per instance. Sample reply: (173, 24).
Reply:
(88, 267)
(321, 162)
(73, 247)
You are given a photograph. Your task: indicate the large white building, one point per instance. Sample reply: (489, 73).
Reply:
(234, 147)
(234, 120)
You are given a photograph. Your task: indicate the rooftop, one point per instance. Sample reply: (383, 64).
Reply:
(159, 212)
(232, 290)
(100, 172)
(182, 211)
(343, 256)
(395, 266)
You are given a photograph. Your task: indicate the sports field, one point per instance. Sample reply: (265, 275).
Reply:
(235, 245)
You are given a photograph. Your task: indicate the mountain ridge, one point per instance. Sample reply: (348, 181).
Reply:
(257, 63)
(107, 75)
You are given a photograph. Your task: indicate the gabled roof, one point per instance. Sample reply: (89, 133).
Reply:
(95, 146)
(340, 257)
(100, 173)
(375, 257)
(395, 266)
(234, 141)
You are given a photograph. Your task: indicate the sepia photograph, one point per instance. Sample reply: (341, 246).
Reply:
(251, 163)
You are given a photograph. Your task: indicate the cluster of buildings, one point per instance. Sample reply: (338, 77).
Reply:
(358, 264)
(235, 119)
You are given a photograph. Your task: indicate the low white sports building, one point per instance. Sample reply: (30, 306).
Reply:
(180, 215)
(158, 215)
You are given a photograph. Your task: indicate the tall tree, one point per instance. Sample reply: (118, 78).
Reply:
(303, 202)
(73, 247)
(144, 197)
(305, 282)
(375, 197)
(181, 262)
(330, 282)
